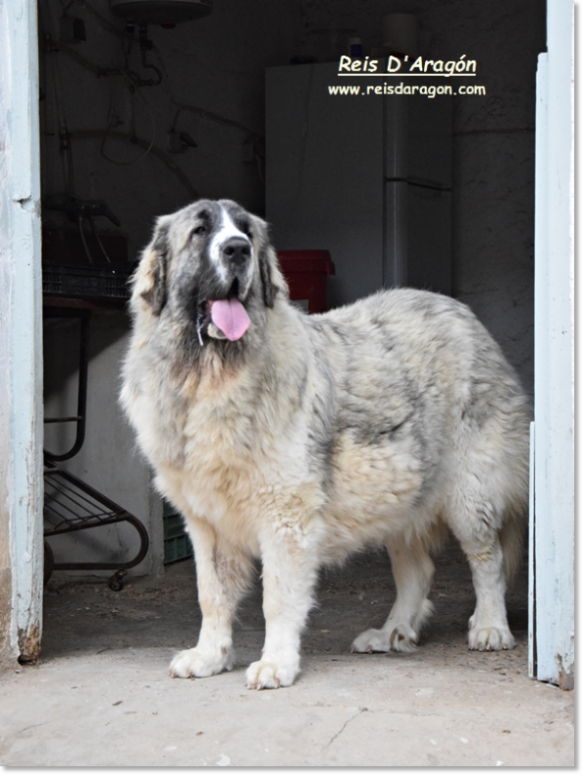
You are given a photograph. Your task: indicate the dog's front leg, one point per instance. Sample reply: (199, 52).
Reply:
(223, 574)
(289, 572)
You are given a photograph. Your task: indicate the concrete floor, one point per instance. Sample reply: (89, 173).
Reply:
(101, 695)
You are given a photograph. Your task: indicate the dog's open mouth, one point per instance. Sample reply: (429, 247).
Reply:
(229, 315)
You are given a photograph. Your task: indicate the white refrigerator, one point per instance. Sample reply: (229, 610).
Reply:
(367, 177)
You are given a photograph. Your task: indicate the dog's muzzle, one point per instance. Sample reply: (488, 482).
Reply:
(224, 316)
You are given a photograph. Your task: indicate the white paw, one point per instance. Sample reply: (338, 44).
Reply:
(270, 674)
(491, 638)
(400, 637)
(194, 663)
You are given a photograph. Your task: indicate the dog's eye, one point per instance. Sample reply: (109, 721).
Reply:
(200, 230)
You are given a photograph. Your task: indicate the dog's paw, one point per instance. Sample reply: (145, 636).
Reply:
(269, 674)
(491, 638)
(194, 663)
(401, 638)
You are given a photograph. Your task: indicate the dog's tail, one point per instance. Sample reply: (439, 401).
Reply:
(512, 536)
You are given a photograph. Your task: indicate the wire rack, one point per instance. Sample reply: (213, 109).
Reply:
(85, 282)
(72, 505)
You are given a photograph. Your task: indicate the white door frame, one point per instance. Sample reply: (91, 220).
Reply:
(21, 366)
(552, 548)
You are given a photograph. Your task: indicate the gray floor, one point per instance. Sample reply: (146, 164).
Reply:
(101, 695)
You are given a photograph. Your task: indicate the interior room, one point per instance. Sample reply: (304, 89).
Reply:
(138, 120)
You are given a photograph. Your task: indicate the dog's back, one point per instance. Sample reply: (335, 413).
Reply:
(431, 428)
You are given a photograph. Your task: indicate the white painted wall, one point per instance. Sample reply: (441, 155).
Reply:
(216, 63)
(554, 348)
(21, 556)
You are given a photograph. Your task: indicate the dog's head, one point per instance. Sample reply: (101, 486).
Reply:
(209, 266)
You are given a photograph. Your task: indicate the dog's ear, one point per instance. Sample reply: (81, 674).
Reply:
(271, 278)
(265, 277)
(150, 280)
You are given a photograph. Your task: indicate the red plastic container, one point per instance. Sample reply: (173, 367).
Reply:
(306, 274)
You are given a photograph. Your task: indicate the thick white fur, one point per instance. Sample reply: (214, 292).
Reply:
(381, 422)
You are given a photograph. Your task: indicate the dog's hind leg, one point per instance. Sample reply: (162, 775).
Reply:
(223, 575)
(488, 626)
(477, 524)
(413, 573)
(486, 501)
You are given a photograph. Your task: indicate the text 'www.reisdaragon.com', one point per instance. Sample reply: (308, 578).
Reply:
(430, 91)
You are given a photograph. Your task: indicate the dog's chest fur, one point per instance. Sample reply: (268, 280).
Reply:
(213, 456)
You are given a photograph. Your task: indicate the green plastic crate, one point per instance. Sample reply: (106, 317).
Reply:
(177, 542)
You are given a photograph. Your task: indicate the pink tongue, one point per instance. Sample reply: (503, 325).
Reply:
(230, 316)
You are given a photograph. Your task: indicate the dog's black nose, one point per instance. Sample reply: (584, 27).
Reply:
(237, 250)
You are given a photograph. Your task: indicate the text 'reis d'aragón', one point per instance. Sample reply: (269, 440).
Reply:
(403, 65)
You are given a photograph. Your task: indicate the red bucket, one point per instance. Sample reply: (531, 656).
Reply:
(306, 274)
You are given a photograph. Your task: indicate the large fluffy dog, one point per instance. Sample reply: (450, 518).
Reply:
(299, 439)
